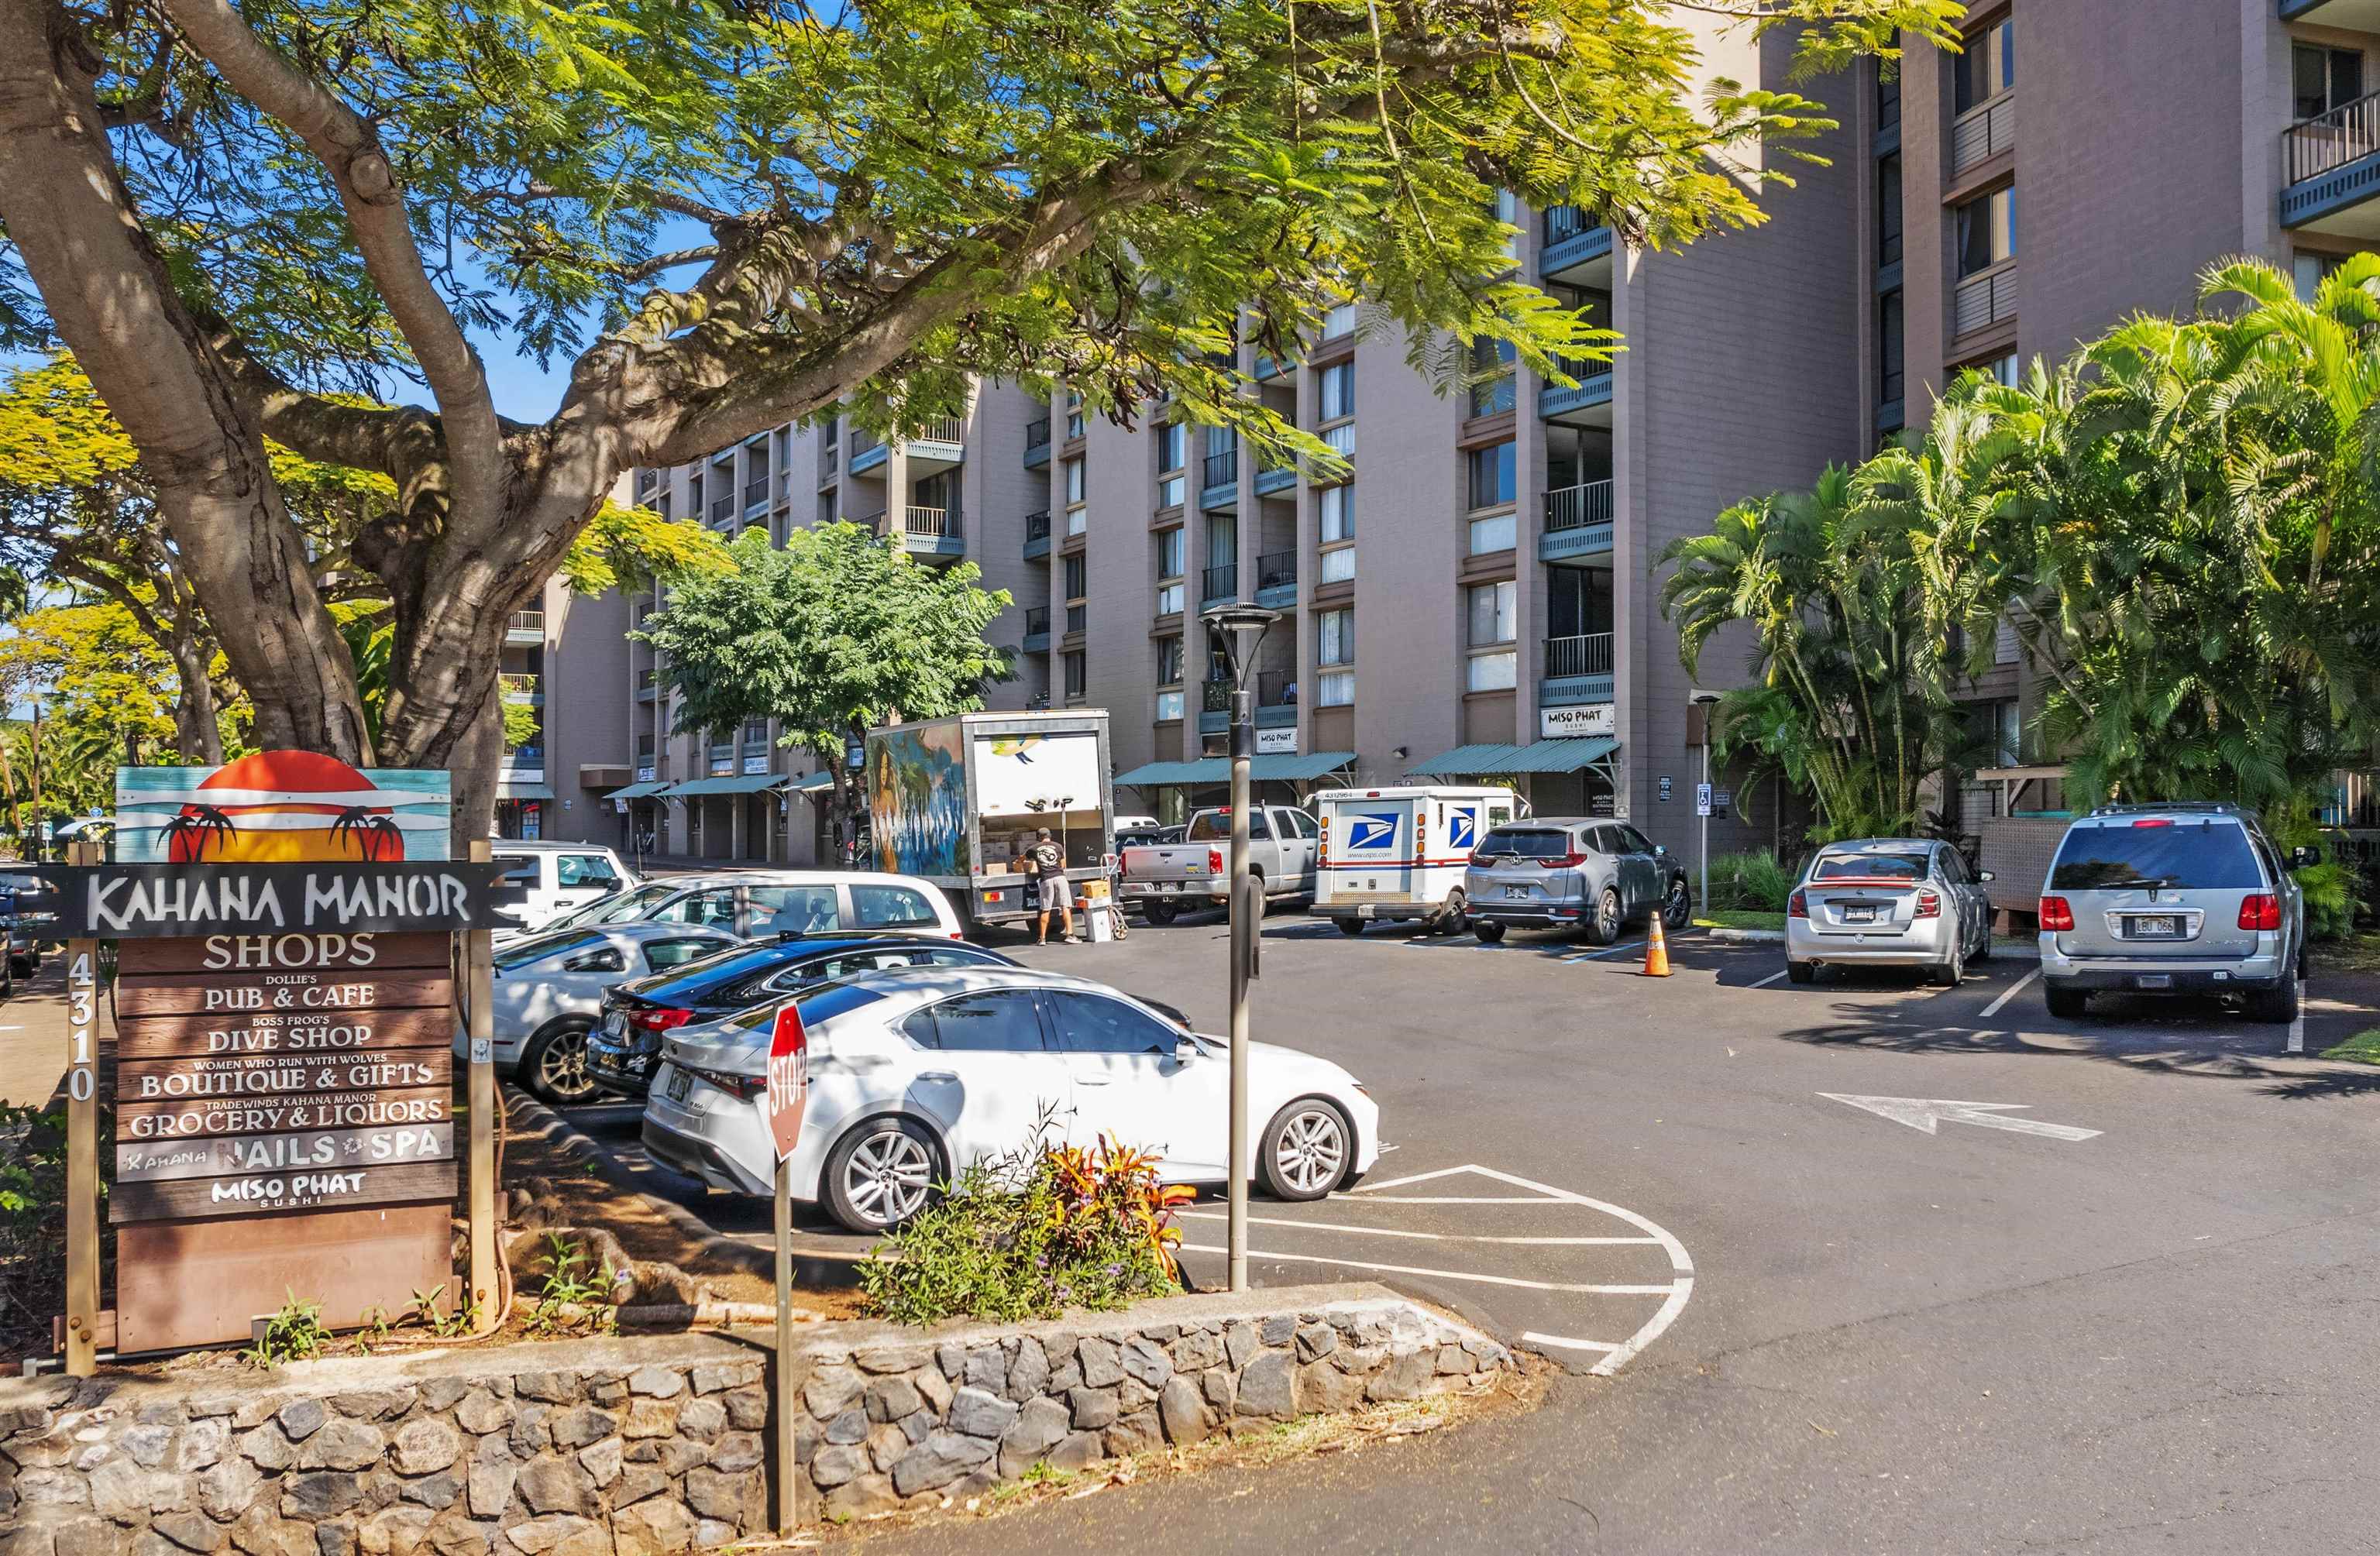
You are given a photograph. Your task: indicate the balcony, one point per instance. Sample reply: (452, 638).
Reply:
(1589, 405)
(868, 452)
(1077, 612)
(1277, 579)
(1219, 585)
(646, 690)
(1037, 629)
(2330, 171)
(1218, 479)
(523, 691)
(1575, 248)
(931, 532)
(1036, 443)
(525, 627)
(1578, 523)
(1276, 699)
(1982, 132)
(1983, 300)
(1214, 706)
(1282, 477)
(755, 496)
(1578, 670)
(1037, 536)
(722, 510)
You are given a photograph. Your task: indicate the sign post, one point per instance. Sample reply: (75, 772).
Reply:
(788, 1082)
(82, 1145)
(479, 987)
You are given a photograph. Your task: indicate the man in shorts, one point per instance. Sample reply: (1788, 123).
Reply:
(1057, 894)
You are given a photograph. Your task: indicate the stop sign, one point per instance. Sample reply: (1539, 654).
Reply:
(789, 1055)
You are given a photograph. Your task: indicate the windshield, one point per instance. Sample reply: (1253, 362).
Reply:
(537, 947)
(615, 910)
(1869, 867)
(1528, 844)
(2188, 855)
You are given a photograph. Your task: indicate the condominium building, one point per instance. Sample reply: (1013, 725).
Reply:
(1481, 600)
(565, 659)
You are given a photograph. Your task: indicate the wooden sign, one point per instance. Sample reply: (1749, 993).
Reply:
(172, 994)
(198, 1117)
(312, 1150)
(294, 1032)
(340, 1188)
(282, 1075)
(259, 953)
(132, 901)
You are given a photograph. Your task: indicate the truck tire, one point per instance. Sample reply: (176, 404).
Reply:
(1349, 926)
(2277, 1005)
(2067, 1004)
(1161, 913)
(1449, 919)
(1488, 930)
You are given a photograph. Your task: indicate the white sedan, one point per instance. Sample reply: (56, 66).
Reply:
(917, 1072)
(550, 987)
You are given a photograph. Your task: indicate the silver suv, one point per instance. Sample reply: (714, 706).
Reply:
(2190, 899)
(1571, 873)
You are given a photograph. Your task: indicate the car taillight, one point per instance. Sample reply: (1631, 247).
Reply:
(659, 1020)
(2055, 916)
(745, 1087)
(1563, 861)
(2260, 910)
(1214, 862)
(1929, 905)
(1797, 906)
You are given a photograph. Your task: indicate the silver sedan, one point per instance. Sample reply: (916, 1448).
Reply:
(1889, 902)
(549, 995)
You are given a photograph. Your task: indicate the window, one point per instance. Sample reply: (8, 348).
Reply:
(1340, 321)
(1335, 689)
(586, 870)
(521, 953)
(1339, 565)
(1169, 599)
(1985, 67)
(1170, 442)
(809, 910)
(1074, 480)
(1337, 505)
(2206, 856)
(886, 907)
(1633, 841)
(1337, 386)
(1215, 827)
(1887, 211)
(2324, 79)
(1498, 534)
(1094, 1024)
(1889, 348)
(2309, 269)
(1077, 681)
(701, 907)
(1493, 607)
(1493, 478)
(1498, 671)
(1998, 731)
(756, 730)
(662, 955)
(1888, 94)
(1169, 552)
(1169, 661)
(1334, 637)
(1987, 231)
(1169, 706)
(1866, 866)
(1075, 577)
(996, 1021)
(1491, 377)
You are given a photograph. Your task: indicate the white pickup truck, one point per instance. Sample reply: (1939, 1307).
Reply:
(1162, 880)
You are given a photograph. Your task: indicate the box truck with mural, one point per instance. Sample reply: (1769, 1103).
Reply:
(959, 800)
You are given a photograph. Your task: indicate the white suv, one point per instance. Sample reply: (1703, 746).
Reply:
(558, 876)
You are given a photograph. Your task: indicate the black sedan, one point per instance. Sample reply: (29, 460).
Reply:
(620, 1052)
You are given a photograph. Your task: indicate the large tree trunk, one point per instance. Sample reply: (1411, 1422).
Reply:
(112, 301)
(196, 732)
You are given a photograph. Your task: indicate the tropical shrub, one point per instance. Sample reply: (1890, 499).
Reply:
(1756, 882)
(1046, 1228)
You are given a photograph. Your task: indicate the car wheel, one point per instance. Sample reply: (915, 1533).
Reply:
(1603, 928)
(2067, 1004)
(1679, 911)
(2277, 1005)
(1800, 972)
(1161, 913)
(21, 967)
(1349, 926)
(1451, 917)
(1488, 930)
(1984, 942)
(1952, 969)
(554, 1066)
(881, 1174)
(1306, 1151)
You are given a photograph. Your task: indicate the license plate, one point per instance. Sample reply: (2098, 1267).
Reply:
(1516, 891)
(2164, 926)
(614, 1023)
(1169, 885)
(1859, 915)
(2153, 981)
(680, 1084)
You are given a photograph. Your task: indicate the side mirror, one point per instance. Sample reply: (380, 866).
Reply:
(1185, 1050)
(1661, 849)
(1982, 875)
(2303, 855)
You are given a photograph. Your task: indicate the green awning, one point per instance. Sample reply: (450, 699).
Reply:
(1541, 756)
(812, 784)
(747, 783)
(644, 790)
(1218, 769)
(507, 789)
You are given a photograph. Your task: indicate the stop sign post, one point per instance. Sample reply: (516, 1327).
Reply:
(788, 1085)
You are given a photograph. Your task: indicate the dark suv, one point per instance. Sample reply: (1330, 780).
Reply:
(2191, 898)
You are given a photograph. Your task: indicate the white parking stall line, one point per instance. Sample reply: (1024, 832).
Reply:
(1651, 1332)
(1607, 951)
(1766, 982)
(1426, 1236)
(1677, 1250)
(1409, 1179)
(1567, 1344)
(2297, 1032)
(1590, 1289)
(2008, 994)
(1452, 1199)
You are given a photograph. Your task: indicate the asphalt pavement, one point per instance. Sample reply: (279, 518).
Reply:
(2121, 1300)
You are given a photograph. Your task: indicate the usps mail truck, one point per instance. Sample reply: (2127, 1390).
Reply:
(1399, 852)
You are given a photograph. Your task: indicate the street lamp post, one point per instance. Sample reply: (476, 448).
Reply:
(1235, 631)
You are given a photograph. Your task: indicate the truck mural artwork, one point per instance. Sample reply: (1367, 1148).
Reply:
(957, 801)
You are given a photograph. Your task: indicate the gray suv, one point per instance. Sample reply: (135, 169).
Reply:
(2188, 899)
(1573, 873)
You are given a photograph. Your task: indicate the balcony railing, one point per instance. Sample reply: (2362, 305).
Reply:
(1219, 582)
(1214, 696)
(1983, 131)
(722, 509)
(1037, 525)
(1574, 507)
(939, 522)
(2348, 132)
(1585, 370)
(861, 442)
(1077, 613)
(943, 429)
(755, 493)
(1220, 469)
(518, 686)
(1568, 220)
(1276, 688)
(1036, 620)
(1587, 654)
(527, 621)
(1277, 570)
(1037, 433)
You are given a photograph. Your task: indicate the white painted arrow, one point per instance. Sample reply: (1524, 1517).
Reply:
(1924, 1112)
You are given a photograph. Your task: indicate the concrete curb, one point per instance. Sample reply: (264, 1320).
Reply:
(1746, 936)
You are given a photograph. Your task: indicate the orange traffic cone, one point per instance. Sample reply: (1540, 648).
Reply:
(1657, 950)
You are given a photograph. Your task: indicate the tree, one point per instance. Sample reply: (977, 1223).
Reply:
(729, 217)
(832, 635)
(108, 691)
